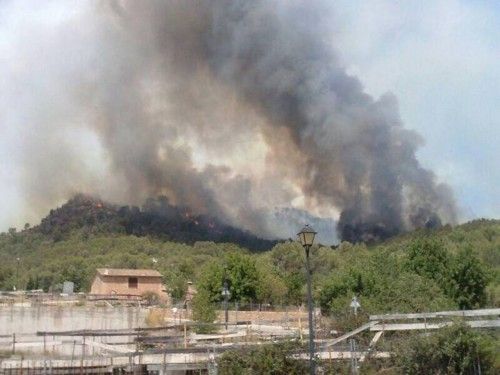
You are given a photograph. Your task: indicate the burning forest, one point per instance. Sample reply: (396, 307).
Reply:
(156, 218)
(235, 109)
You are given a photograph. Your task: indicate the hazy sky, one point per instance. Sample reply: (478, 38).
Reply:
(440, 58)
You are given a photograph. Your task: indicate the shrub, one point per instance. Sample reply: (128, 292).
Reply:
(467, 281)
(156, 317)
(456, 349)
(151, 298)
(203, 312)
(266, 359)
(427, 257)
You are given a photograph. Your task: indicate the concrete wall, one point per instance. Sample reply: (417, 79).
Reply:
(26, 321)
(30, 319)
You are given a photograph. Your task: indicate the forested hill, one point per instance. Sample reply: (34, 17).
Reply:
(157, 218)
(427, 270)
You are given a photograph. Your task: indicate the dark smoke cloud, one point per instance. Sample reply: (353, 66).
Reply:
(234, 108)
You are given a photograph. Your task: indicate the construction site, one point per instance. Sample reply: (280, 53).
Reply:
(72, 336)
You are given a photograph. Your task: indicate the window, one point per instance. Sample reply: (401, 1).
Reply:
(133, 282)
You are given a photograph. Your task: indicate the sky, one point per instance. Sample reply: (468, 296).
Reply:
(440, 58)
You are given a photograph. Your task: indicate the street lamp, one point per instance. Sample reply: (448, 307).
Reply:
(355, 305)
(306, 237)
(225, 294)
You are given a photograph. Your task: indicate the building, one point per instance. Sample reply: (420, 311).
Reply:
(117, 281)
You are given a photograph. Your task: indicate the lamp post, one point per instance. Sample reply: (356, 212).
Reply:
(306, 237)
(226, 294)
(355, 305)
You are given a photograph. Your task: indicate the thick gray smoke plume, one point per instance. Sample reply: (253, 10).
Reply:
(236, 109)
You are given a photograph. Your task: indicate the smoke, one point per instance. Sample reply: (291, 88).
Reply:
(237, 109)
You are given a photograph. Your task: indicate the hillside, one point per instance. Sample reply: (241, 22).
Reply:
(419, 271)
(156, 218)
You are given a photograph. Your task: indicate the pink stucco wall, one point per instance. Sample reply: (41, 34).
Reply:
(120, 285)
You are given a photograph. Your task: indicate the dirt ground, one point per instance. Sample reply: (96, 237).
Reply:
(294, 317)
(285, 317)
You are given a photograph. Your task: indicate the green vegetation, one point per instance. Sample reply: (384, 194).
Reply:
(267, 359)
(203, 312)
(449, 268)
(428, 270)
(452, 350)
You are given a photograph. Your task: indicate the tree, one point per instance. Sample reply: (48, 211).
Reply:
(287, 259)
(176, 283)
(428, 257)
(32, 283)
(333, 289)
(267, 359)
(467, 281)
(271, 288)
(381, 287)
(203, 311)
(452, 350)
(45, 280)
(243, 277)
(239, 270)
(211, 280)
(75, 269)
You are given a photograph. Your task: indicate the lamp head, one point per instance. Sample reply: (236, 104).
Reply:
(306, 236)
(225, 290)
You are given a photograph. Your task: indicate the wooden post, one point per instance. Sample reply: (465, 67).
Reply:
(44, 343)
(83, 347)
(137, 342)
(300, 329)
(13, 343)
(185, 336)
(73, 353)
(82, 355)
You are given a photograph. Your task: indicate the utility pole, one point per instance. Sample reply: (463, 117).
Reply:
(354, 358)
(226, 294)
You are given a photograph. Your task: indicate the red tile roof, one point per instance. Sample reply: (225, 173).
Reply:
(127, 272)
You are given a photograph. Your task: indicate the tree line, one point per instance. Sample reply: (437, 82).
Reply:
(450, 268)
